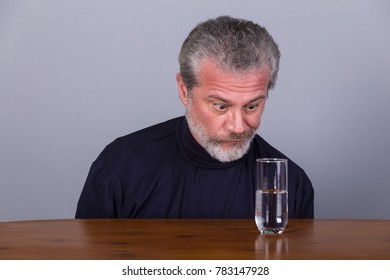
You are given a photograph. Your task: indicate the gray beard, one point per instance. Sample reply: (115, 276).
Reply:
(213, 144)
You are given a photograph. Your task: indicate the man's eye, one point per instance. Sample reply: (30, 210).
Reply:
(220, 106)
(251, 107)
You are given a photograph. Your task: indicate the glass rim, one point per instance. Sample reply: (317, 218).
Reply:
(271, 160)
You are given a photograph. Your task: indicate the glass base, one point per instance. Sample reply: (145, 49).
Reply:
(271, 231)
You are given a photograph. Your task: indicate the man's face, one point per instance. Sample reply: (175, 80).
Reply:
(224, 109)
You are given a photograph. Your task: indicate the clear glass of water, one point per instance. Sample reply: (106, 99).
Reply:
(271, 213)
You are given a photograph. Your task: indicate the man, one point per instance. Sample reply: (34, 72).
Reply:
(201, 165)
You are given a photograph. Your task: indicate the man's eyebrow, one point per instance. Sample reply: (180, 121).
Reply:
(258, 98)
(227, 101)
(218, 98)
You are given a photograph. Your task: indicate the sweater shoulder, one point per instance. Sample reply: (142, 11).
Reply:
(146, 140)
(266, 150)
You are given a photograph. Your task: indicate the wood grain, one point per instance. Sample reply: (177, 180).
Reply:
(192, 239)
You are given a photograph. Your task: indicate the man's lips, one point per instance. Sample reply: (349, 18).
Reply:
(232, 142)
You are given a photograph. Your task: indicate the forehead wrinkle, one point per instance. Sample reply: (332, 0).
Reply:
(213, 76)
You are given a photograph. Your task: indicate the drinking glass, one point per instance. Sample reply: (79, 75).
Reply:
(271, 213)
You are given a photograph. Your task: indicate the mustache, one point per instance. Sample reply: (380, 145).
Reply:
(247, 135)
(241, 136)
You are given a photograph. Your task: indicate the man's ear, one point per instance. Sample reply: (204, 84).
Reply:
(183, 93)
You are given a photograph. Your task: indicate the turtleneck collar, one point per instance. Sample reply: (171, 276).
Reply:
(195, 153)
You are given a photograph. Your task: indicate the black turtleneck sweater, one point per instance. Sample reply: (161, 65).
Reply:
(162, 172)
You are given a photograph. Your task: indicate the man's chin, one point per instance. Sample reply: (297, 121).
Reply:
(229, 145)
(228, 152)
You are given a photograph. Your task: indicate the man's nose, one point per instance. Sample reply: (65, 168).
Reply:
(236, 122)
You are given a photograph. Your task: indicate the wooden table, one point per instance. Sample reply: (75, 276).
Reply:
(193, 239)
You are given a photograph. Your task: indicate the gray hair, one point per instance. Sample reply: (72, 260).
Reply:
(235, 45)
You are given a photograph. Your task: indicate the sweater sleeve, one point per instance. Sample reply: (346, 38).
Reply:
(304, 197)
(97, 199)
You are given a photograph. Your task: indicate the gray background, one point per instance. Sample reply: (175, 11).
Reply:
(74, 75)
